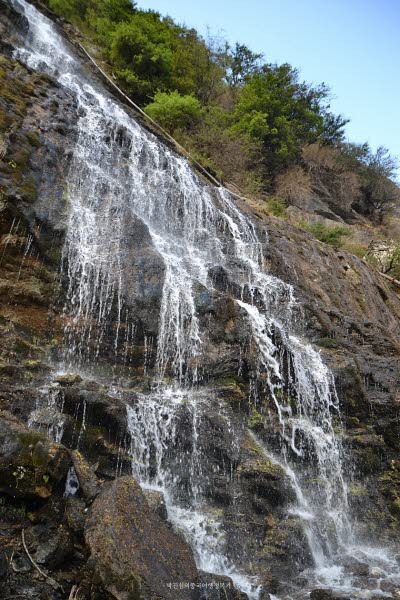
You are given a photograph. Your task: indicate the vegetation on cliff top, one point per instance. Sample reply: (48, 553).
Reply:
(253, 123)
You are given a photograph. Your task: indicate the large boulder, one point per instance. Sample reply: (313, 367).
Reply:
(134, 555)
(31, 465)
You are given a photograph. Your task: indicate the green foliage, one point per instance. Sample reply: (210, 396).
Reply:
(276, 207)
(172, 111)
(244, 119)
(197, 66)
(377, 172)
(33, 139)
(240, 64)
(285, 114)
(111, 11)
(255, 420)
(95, 11)
(329, 235)
(355, 248)
(70, 9)
(394, 264)
(327, 342)
(140, 50)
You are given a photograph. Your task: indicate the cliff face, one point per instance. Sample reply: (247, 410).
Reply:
(346, 309)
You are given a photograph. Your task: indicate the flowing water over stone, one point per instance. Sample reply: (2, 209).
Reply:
(161, 463)
(119, 175)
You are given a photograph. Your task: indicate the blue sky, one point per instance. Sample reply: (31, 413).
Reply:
(351, 45)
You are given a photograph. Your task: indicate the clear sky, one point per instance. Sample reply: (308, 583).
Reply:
(351, 45)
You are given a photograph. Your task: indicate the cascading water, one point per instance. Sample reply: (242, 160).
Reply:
(120, 173)
(156, 424)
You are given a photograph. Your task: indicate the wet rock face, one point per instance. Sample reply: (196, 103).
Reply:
(133, 554)
(353, 316)
(156, 502)
(30, 464)
(94, 422)
(33, 159)
(11, 21)
(218, 587)
(38, 133)
(88, 483)
(142, 272)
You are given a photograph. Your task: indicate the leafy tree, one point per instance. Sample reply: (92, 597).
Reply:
(381, 192)
(240, 63)
(70, 9)
(332, 132)
(93, 11)
(255, 119)
(382, 162)
(393, 268)
(141, 51)
(377, 172)
(275, 107)
(196, 66)
(114, 11)
(172, 111)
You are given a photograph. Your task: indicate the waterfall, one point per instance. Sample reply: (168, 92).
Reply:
(120, 173)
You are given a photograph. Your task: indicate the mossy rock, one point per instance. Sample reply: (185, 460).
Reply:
(35, 365)
(353, 421)
(369, 460)
(357, 490)
(231, 390)
(260, 466)
(68, 379)
(21, 156)
(30, 464)
(93, 439)
(29, 191)
(33, 138)
(255, 420)
(389, 483)
(328, 343)
(12, 510)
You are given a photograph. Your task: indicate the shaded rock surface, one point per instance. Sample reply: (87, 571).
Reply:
(30, 464)
(133, 553)
(87, 480)
(218, 587)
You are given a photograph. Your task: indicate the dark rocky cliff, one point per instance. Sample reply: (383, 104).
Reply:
(351, 314)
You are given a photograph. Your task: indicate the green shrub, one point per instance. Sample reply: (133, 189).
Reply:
(173, 111)
(327, 342)
(328, 235)
(256, 117)
(33, 139)
(275, 206)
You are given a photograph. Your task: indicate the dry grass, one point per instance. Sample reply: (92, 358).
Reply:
(3, 147)
(294, 185)
(323, 156)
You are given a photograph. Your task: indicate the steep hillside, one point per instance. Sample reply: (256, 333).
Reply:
(198, 399)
